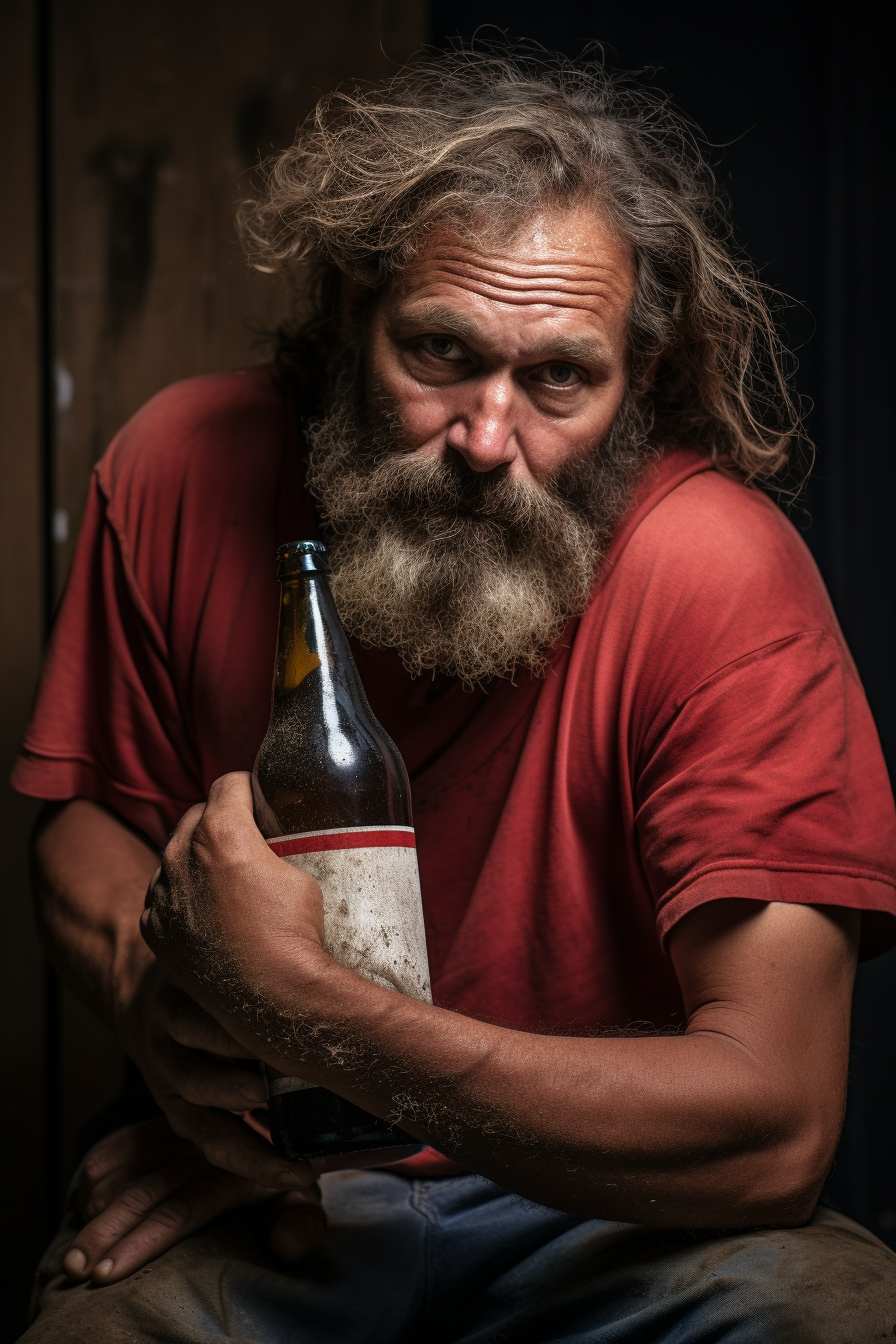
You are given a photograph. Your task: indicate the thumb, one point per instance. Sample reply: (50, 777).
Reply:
(298, 1226)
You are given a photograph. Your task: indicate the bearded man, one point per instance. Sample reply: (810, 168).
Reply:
(526, 406)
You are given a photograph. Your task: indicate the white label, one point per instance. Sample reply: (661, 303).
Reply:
(373, 914)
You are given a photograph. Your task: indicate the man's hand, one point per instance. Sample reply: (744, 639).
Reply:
(217, 875)
(199, 1075)
(144, 1189)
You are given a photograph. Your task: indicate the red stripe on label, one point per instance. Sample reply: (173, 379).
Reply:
(314, 844)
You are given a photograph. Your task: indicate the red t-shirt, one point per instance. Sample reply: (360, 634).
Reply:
(701, 732)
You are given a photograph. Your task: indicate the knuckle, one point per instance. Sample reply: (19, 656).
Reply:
(94, 1167)
(92, 1208)
(171, 1216)
(137, 1199)
(209, 835)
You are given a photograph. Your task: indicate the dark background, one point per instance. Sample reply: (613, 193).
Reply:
(127, 135)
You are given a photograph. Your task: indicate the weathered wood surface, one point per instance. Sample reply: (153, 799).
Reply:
(160, 113)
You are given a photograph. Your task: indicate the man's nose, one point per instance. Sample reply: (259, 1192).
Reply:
(483, 431)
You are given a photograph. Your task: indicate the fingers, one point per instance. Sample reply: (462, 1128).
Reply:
(259, 1120)
(152, 1216)
(233, 1083)
(127, 1145)
(145, 1188)
(128, 1210)
(203, 1081)
(150, 890)
(298, 1227)
(193, 1027)
(194, 1074)
(177, 848)
(213, 837)
(229, 1143)
(225, 823)
(183, 831)
(227, 831)
(94, 1201)
(123, 1157)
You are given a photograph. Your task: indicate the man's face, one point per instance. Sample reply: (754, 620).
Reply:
(513, 354)
(476, 457)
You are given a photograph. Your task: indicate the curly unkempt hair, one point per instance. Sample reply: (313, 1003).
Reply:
(477, 140)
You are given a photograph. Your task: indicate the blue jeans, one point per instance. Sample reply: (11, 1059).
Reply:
(464, 1261)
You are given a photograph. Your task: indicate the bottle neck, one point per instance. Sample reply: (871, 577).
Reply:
(325, 762)
(311, 638)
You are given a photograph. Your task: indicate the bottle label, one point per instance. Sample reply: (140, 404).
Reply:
(373, 915)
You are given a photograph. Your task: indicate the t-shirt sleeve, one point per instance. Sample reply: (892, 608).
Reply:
(768, 783)
(106, 723)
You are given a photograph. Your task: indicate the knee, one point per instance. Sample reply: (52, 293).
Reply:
(826, 1283)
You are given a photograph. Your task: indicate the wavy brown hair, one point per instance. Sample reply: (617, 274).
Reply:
(478, 139)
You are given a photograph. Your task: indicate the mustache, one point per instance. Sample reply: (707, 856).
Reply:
(442, 495)
(464, 572)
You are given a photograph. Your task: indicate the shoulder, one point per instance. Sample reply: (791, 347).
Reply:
(714, 536)
(191, 484)
(213, 428)
(710, 571)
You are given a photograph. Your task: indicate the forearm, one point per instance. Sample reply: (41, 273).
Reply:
(90, 879)
(683, 1130)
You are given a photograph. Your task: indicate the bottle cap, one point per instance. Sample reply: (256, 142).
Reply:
(308, 557)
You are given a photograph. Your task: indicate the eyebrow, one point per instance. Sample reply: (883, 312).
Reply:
(575, 349)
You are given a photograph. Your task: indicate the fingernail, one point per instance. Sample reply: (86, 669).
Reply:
(75, 1263)
(104, 1267)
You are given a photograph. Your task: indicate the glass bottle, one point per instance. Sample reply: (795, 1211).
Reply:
(332, 797)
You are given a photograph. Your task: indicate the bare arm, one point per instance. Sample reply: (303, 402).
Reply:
(734, 1121)
(91, 874)
(90, 878)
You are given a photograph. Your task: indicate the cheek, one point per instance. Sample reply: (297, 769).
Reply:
(420, 413)
(425, 418)
(425, 414)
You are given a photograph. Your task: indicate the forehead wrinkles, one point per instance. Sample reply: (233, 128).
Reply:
(558, 280)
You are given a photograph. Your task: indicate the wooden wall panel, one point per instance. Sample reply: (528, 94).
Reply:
(159, 113)
(21, 964)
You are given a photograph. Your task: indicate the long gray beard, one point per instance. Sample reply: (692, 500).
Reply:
(466, 573)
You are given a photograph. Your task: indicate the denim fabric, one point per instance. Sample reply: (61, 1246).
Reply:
(464, 1261)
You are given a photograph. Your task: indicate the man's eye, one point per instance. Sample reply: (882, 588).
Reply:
(443, 347)
(558, 375)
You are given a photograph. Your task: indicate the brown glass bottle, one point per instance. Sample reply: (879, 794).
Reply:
(332, 797)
